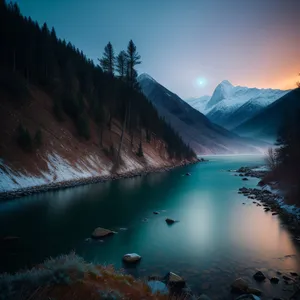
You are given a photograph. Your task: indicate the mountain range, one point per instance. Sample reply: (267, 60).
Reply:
(265, 125)
(194, 127)
(230, 106)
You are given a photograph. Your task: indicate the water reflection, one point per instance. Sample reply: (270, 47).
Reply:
(216, 240)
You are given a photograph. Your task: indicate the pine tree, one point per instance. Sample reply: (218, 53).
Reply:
(107, 62)
(121, 64)
(133, 59)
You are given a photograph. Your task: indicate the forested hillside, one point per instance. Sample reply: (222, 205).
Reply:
(48, 86)
(79, 88)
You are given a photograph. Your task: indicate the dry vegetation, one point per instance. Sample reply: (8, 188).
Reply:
(70, 277)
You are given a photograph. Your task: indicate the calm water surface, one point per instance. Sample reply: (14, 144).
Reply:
(217, 239)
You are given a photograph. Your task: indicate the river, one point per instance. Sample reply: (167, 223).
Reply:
(216, 240)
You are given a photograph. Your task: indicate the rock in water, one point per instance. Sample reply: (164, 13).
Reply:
(132, 257)
(245, 179)
(239, 285)
(188, 174)
(170, 221)
(156, 213)
(174, 280)
(101, 232)
(158, 287)
(259, 276)
(294, 274)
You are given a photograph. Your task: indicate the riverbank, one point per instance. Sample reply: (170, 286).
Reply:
(271, 200)
(89, 180)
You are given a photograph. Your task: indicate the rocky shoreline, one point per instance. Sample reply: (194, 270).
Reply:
(90, 180)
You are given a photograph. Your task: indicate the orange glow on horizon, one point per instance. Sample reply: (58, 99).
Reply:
(288, 83)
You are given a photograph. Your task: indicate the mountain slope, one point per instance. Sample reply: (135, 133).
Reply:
(231, 105)
(265, 125)
(196, 130)
(63, 155)
(198, 103)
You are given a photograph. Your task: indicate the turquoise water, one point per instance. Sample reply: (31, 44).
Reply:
(216, 240)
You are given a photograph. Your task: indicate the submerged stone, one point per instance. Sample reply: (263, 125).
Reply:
(101, 232)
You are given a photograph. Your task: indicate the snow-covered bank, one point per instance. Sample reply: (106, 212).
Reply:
(63, 174)
(269, 194)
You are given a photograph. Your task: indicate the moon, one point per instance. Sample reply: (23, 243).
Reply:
(200, 81)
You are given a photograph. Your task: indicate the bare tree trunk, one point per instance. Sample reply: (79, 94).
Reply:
(122, 136)
(131, 140)
(14, 63)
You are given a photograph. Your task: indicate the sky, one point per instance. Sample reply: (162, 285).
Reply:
(189, 46)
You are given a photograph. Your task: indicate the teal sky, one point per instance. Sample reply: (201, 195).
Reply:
(187, 45)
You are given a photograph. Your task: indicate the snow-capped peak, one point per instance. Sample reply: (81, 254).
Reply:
(222, 91)
(226, 83)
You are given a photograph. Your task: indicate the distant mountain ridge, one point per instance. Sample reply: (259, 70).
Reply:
(230, 106)
(196, 129)
(265, 125)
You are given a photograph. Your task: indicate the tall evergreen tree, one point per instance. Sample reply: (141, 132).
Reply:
(133, 59)
(107, 62)
(122, 64)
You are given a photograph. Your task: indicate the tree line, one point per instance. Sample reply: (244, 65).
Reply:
(80, 89)
(284, 158)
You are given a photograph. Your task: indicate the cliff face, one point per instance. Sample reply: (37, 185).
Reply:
(63, 155)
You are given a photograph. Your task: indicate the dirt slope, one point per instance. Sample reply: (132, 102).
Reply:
(63, 155)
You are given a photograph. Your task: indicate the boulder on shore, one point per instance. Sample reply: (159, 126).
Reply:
(174, 280)
(239, 285)
(100, 232)
(131, 257)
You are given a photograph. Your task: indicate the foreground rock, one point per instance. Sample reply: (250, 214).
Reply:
(101, 232)
(131, 258)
